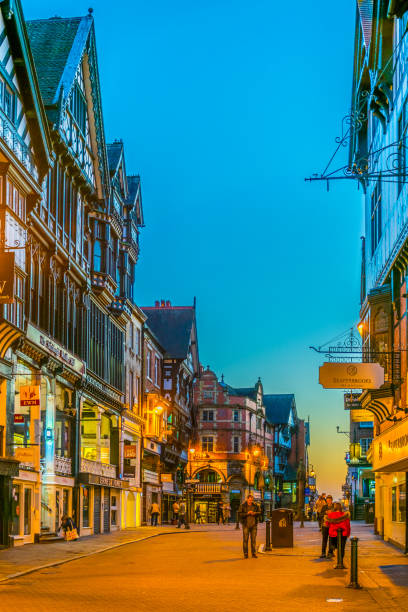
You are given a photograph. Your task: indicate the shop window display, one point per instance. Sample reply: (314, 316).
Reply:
(85, 506)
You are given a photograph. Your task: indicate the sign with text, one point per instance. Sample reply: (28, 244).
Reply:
(30, 395)
(19, 418)
(7, 278)
(166, 477)
(390, 449)
(130, 451)
(351, 375)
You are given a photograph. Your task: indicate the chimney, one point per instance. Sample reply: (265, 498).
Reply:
(163, 303)
(157, 304)
(168, 304)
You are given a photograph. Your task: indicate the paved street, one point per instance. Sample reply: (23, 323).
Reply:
(207, 562)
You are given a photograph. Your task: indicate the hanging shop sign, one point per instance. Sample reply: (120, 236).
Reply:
(7, 278)
(352, 401)
(351, 375)
(166, 477)
(29, 396)
(130, 451)
(19, 418)
(25, 455)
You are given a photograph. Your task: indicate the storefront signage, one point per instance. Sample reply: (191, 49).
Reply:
(390, 449)
(8, 467)
(104, 388)
(130, 451)
(19, 418)
(103, 481)
(6, 278)
(166, 477)
(351, 401)
(351, 375)
(24, 455)
(54, 349)
(29, 396)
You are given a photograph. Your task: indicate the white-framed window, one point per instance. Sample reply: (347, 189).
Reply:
(156, 371)
(207, 444)
(207, 394)
(235, 444)
(149, 364)
(235, 416)
(365, 445)
(137, 341)
(208, 415)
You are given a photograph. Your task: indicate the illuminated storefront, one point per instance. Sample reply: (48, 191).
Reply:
(389, 456)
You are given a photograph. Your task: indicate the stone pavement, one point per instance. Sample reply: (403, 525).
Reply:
(201, 568)
(25, 559)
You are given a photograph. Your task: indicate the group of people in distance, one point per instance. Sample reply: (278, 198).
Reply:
(332, 519)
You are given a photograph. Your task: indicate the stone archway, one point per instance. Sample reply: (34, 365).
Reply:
(209, 474)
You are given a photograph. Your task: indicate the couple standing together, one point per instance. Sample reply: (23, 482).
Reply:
(333, 519)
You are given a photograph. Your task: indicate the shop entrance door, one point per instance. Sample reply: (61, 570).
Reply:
(97, 510)
(106, 510)
(28, 496)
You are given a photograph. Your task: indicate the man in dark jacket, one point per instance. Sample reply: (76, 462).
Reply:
(249, 514)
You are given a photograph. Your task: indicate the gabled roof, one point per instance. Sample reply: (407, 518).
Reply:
(114, 155)
(134, 198)
(28, 82)
(173, 327)
(52, 45)
(278, 408)
(59, 45)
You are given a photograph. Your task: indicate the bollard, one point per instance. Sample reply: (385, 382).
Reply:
(353, 565)
(268, 534)
(339, 555)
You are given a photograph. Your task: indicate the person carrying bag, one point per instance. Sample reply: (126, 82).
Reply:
(69, 529)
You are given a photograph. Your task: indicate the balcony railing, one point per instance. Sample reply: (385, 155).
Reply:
(63, 465)
(208, 487)
(100, 469)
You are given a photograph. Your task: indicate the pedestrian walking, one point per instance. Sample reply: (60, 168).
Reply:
(220, 514)
(324, 510)
(69, 528)
(182, 515)
(338, 521)
(226, 512)
(249, 514)
(154, 512)
(176, 507)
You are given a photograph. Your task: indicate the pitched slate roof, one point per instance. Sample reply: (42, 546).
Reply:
(172, 326)
(51, 42)
(114, 154)
(246, 392)
(278, 407)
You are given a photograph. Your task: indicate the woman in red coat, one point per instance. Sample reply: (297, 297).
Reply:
(341, 521)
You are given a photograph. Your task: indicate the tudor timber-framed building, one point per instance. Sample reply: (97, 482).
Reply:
(66, 200)
(380, 82)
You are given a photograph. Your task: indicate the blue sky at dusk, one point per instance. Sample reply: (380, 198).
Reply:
(224, 107)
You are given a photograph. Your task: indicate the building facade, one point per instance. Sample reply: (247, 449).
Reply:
(380, 136)
(233, 453)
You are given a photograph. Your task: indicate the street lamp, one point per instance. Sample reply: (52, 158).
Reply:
(188, 485)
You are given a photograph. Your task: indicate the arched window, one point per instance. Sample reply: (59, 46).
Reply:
(208, 476)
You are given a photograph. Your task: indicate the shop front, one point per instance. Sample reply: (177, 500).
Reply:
(389, 456)
(100, 503)
(131, 498)
(8, 469)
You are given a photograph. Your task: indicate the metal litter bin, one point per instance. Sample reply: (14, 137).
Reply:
(369, 512)
(282, 528)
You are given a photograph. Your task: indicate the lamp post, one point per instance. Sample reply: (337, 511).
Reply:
(188, 499)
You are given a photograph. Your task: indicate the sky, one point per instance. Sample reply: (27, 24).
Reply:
(224, 107)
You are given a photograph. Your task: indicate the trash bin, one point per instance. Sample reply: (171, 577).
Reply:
(369, 512)
(282, 528)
